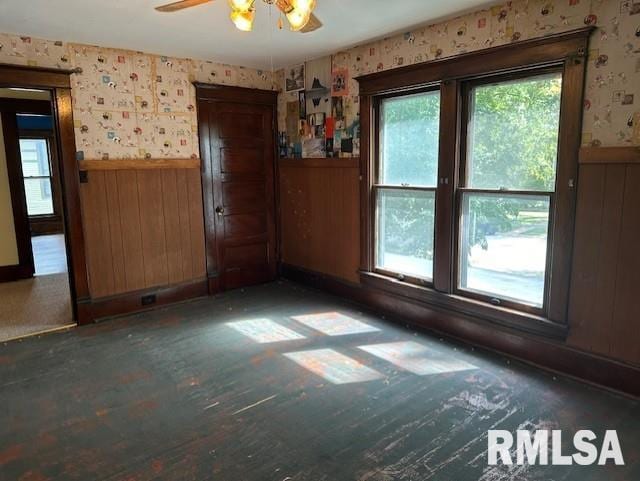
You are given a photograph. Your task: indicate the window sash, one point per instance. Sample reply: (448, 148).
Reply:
(504, 301)
(404, 276)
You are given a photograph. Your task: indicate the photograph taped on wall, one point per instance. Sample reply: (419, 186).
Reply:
(294, 79)
(340, 82)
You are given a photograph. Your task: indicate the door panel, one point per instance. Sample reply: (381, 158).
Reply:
(238, 151)
(240, 160)
(244, 225)
(243, 197)
(244, 255)
(241, 125)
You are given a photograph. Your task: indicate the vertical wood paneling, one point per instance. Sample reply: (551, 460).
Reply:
(115, 231)
(172, 226)
(144, 229)
(131, 234)
(605, 306)
(607, 261)
(184, 222)
(196, 221)
(626, 311)
(152, 227)
(320, 218)
(95, 212)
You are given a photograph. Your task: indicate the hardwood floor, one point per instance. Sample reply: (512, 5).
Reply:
(49, 254)
(277, 382)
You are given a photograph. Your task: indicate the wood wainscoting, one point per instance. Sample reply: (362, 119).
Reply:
(320, 215)
(144, 227)
(604, 311)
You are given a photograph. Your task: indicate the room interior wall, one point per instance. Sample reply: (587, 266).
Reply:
(604, 310)
(8, 243)
(134, 112)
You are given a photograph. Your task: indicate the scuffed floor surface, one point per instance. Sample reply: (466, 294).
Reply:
(281, 383)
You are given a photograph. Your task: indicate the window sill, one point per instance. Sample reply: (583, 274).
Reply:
(477, 310)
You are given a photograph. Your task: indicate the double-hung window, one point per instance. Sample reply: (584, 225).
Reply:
(506, 191)
(469, 176)
(405, 185)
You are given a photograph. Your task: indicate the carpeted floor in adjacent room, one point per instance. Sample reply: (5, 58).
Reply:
(34, 305)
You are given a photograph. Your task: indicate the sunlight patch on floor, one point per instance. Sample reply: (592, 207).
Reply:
(417, 358)
(335, 324)
(333, 366)
(264, 331)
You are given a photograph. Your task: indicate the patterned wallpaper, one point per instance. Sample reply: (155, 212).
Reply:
(612, 99)
(129, 104)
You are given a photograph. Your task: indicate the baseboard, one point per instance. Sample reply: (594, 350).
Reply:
(548, 354)
(15, 273)
(92, 310)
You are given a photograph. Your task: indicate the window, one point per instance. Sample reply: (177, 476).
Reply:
(406, 184)
(469, 168)
(507, 188)
(36, 170)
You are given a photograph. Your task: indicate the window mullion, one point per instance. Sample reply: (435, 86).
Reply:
(447, 180)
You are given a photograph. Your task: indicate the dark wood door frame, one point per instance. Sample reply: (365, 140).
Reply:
(223, 93)
(25, 267)
(59, 84)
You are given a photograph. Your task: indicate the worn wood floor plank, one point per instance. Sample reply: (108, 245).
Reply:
(280, 383)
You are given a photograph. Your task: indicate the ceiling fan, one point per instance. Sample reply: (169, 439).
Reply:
(299, 13)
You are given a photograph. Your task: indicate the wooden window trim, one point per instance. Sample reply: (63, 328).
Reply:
(564, 51)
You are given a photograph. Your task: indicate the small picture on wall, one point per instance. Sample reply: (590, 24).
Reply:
(340, 82)
(302, 104)
(337, 108)
(316, 119)
(294, 79)
(316, 124)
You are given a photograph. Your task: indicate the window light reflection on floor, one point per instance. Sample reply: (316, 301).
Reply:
(335, 324)
(333, 366)
(265, 331)
(417, 358)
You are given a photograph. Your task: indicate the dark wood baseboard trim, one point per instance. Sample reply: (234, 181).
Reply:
(548, 354)
(15, 273)
(91, 310)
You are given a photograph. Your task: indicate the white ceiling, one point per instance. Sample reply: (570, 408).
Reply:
(205, 32)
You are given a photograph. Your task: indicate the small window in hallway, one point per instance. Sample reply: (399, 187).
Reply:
(36, 170)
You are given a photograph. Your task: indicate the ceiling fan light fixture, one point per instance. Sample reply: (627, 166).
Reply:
(304, 6)
(300, 13)
(241, 5)
(243, 20)
(297, 20)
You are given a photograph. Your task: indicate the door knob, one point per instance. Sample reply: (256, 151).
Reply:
(219, 210)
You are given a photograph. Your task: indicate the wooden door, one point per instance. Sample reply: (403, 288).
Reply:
(238, 152)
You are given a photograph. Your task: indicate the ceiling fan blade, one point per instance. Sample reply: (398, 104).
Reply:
(175, 6)
(313, 24)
